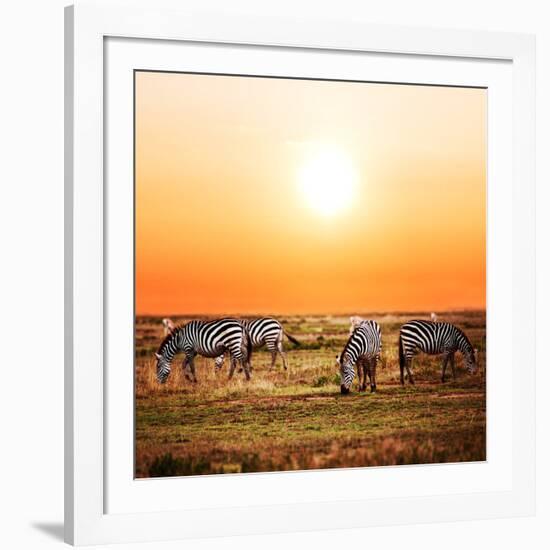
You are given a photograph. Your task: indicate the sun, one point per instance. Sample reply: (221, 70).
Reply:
(328, 180)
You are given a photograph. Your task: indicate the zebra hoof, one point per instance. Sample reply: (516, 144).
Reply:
(373, 388)
(344, 390)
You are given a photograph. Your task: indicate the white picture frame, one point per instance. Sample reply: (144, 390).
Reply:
(103, 503)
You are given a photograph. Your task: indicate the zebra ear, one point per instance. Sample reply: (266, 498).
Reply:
(158, 355)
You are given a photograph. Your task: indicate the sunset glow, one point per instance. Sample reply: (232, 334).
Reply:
(259, 195)
(328, 181)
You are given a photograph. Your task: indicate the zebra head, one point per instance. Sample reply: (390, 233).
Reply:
(347, 373)
(470, 358)
(164, 365)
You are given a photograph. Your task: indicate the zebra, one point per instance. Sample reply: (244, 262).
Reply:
(264, 331)
(168, 326)
(434, 339)
(206, 338)
(362, 349)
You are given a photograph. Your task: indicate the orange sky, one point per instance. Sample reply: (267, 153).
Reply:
(222, 224)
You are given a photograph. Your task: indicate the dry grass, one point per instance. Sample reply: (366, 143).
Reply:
(296, 419)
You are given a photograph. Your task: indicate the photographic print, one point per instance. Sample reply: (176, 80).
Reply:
(310, 274)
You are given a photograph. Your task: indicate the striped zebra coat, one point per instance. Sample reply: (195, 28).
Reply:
(434, 339)
(362, 349)
(206, 338)
(264, 331)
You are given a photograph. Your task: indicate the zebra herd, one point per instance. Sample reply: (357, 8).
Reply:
(239, 337)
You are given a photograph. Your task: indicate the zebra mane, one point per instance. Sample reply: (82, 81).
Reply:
(347, 344)
(168, 338)
(466, 340)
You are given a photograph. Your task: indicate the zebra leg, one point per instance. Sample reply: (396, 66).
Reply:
(372, 374)
(245, 366)
(189, 368)
(281, 350)
(453, 365)
(360, 379)
(444, 366)
(245, 360)
(272, 348)
(246, 356)
(233, 362)
(402, 371)
(218, 362)
(273, 359)
(186, 368)
(239, 354)
(246, 369)
(408, 361)
(366, 371)
(192, 365)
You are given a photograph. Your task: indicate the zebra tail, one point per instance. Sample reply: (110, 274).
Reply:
(401, 354)
(292, 339)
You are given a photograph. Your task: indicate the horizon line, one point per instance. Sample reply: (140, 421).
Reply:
(314, 314)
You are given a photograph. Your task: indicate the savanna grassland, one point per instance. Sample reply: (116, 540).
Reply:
(297, 419)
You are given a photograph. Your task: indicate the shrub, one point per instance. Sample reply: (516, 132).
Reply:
(326, 381)
(168, 466)
(321, 381)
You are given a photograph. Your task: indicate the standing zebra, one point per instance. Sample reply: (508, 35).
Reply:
(206, 338)
(264, 331)
(434, 339)
(362, 349)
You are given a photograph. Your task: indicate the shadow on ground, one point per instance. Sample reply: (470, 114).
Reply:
(53, 530)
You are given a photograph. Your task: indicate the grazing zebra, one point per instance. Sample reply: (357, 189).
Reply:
(362, 349)
(434, 339)
(264, 331)
(206, 338)
(168, 326)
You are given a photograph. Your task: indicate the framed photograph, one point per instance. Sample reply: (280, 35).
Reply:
(299, 274)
